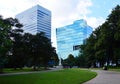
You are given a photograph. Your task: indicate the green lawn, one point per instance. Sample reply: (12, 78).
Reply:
(11, 70)
(67, 76)
(109, 69)
(114, 69)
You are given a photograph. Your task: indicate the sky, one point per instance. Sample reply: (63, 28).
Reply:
(64, 12)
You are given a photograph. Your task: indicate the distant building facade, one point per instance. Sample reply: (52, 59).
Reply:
(70, 37)
(36, 19)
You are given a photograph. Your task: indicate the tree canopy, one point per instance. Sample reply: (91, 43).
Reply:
(103, 44)
(19, 49)
(6, 26)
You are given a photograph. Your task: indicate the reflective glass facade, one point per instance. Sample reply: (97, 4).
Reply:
(70, 37)
(36, 19)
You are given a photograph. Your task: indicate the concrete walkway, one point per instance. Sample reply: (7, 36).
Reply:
(105, 77)
(17, 73)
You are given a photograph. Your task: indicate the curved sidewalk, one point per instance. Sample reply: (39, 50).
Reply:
(17, 73)
(105, 77)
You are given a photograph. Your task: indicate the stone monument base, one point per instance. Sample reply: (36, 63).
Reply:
(59, 67)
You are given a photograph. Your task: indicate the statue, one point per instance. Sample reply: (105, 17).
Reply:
(60, 61)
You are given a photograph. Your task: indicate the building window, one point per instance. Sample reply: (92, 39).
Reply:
(76, 47)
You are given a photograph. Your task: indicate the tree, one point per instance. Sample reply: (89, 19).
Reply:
(114, 24)
(70, 61)
(103, 44)
(18, 57)
(27, 47)
(5, 42)
(54, 60)
(5, 38)
(41, 50)
(109, 35)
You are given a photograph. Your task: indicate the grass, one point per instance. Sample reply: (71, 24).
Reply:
(11, 70)
(109, 69)
(118, 70)
(114, 69)
(67, 76)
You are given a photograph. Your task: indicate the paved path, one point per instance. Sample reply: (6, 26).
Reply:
(17, 73)
(105, 77)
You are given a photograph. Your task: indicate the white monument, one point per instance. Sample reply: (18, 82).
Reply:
(60, 64)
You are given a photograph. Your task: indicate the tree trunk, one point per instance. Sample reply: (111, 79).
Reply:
(1, 70)
(34, 68)
(15, 67)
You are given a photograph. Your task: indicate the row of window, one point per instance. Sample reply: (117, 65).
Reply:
(44, 21)
(42, 12)
(44, 25)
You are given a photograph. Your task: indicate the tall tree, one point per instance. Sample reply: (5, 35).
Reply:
(5, 42)
(105, 47)
(41, 50)
(114, 25)
(6, 26)
(18, 56)
(70, 61)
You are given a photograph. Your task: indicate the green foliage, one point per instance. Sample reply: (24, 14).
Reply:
(68, 76)
(41, 50)
(31, 50)
(18, 49)
(103, 44)
(70, 61)
(80, 61)
(5, 38)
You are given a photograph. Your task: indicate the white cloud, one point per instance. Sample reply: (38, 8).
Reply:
(94, 21)
(64, 12)
(110, 10)
(82, 7)
(9, 8)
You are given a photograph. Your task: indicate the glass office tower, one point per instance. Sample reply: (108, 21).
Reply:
(70, 37)
(36, 19)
